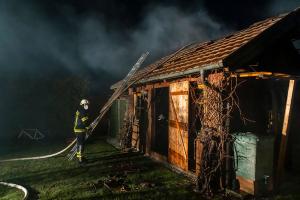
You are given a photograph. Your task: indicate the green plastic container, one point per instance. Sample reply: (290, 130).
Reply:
(254, 160)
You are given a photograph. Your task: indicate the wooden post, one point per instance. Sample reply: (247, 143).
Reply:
(285, 131)
(198, 150)
(150, 124)
(135, 140)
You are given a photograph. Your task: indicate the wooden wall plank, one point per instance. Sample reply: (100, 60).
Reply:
(285, 131)
(175, 124)
(178, 114)
(135, 128)
(150, 124)
(179, 93)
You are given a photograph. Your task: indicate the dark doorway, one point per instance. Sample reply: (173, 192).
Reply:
(160, 138)
(142, 117)
(194, 123)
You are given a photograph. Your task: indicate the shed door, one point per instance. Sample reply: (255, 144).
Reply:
(178, 124)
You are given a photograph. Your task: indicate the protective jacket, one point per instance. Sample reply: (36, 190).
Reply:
(80, 123)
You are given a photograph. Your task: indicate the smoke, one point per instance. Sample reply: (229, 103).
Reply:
(51, 56)
(282, 6)
(52, 53)
(30, 40)
(36, 55)
(162, 30)
(167, 28)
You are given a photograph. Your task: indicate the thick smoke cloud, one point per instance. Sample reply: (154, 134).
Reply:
(54, 52)
(43, 56)
(28, 38)
(38, 67)
(162, 30)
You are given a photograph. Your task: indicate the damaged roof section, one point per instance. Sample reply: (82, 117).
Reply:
(235, 49)
(212, 52)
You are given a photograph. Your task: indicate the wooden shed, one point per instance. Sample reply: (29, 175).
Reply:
(197, 99)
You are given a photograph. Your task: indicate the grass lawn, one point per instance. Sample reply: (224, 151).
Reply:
(7, 193)
(58, 178)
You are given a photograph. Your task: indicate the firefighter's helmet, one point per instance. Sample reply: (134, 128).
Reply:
(84, 102)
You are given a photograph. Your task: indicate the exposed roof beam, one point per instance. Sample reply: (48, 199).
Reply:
(179, 74)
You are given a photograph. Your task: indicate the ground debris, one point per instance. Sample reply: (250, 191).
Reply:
(147, 185)
(93, 187)
(117, 183)
(120, 183)
(129, 168)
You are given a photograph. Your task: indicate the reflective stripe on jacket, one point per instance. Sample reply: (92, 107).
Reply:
(80, 124)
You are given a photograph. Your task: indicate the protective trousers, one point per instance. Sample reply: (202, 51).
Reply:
(80, 145)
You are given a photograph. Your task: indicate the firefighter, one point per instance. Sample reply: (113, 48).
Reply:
(81, 127)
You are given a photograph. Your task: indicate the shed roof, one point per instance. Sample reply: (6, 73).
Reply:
(227, 51)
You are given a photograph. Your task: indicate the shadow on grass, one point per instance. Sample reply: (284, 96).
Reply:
(117, 156)
(101, 166)
(57, 178)
(99, 152)
(153, 193)
(32, 193)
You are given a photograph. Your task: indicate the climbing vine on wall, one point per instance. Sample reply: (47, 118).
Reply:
(215, 104)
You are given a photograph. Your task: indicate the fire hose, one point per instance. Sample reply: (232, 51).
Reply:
(19, 187)
(128, 81)
(125, 84)
(105, 108)
(92, 126)
(40, 157)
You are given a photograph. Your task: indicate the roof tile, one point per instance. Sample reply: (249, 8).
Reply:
(212, 51)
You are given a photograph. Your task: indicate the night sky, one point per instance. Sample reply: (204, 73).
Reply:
(91, 34)
(49, 46)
